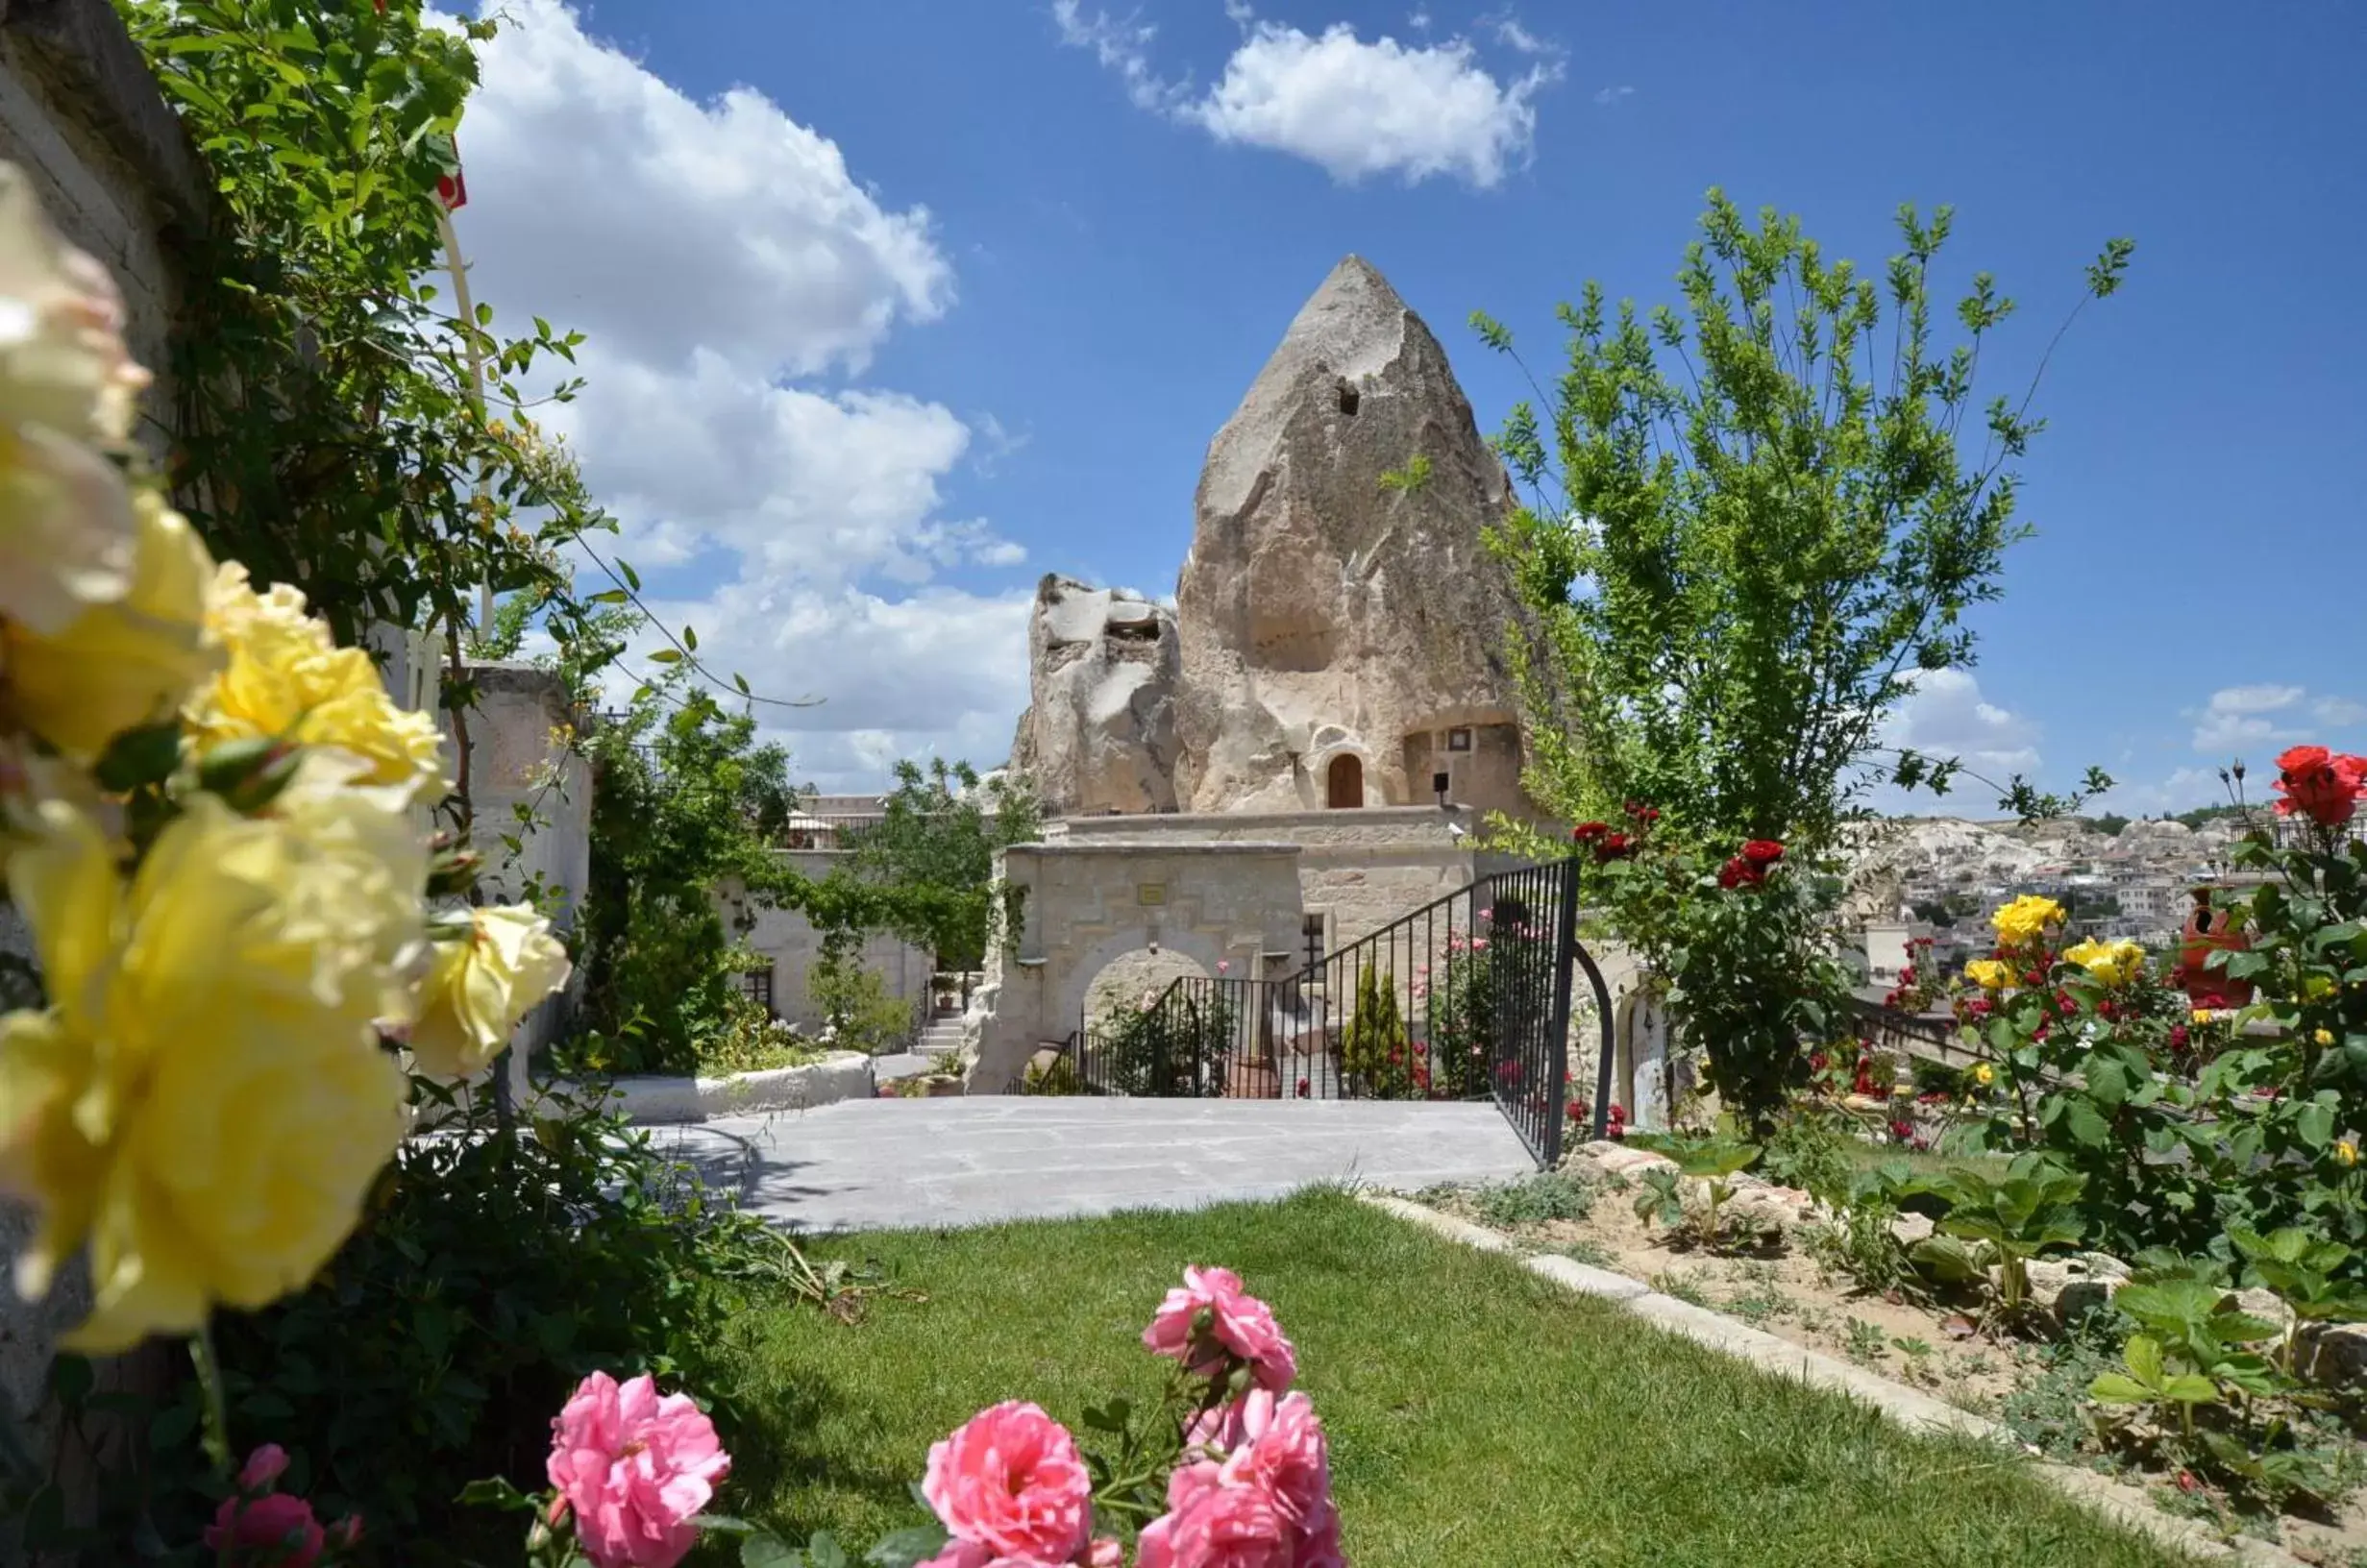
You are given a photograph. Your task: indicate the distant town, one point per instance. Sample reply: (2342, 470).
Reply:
(2119, 878)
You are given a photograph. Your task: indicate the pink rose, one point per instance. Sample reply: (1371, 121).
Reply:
(1286, 1455)
(1210, 1524)
(1239, 1326)
(1267, 1505)
(971, 1555)
(278, 1530)
(1011, 1479)
(634, 1468)
(265, 1465)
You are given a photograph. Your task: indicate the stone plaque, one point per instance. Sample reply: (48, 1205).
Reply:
(1147, 894)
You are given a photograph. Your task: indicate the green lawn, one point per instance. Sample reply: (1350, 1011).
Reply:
(1478, 1416)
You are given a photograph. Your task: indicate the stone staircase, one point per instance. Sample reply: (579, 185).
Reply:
(940, 1037)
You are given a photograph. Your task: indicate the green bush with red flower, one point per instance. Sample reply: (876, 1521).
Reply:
(1740, 941)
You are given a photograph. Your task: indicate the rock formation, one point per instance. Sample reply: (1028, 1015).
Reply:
(1327, 616)
(1099, 732)
(1338, 641)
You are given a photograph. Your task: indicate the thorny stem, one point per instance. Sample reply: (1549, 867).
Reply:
(210, 1386)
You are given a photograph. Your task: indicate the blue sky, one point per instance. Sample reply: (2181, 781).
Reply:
(897, 306)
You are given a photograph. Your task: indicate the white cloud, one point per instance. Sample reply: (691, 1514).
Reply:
(732, 274)
(1947, 717)
(1608, 96)
(2339, 711)
(1354, 109)
(2237, 716)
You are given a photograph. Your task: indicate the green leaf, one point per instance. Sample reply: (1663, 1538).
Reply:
(2143, 1354)
(2185, 1388)
(764, 1550)
(140, 756)
(690, 638)
(666, 655)
(824, 1552)
(2314, 1124)
(907, 1547)
(494, 1492)
(2118, 1388)
(611, 596)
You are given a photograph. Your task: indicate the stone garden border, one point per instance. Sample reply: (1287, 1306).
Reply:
(1910, 1407)
(841, 1075)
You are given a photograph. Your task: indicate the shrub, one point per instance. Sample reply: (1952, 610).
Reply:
(1175, 1044)
(858, 1013)
(1375, 1051)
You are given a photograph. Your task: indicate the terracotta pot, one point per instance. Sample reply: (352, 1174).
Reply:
(2210, 930)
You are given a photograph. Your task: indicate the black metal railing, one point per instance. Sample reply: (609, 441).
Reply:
(1466, 998)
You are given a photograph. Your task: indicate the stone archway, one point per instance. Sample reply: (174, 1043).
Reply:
(1083, 906)
(1344, 782)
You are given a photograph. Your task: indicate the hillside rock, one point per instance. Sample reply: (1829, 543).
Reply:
(1341, 641)
(1100, 731)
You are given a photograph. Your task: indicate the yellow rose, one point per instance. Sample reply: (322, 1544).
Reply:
(206, 1103)
(2116, 963)
(2324, 1037)
(118, 664)
(2346, 1152)
(1984, 1074)
(66, 387)
(1989, 973)
(481, 985)
(2025, 920)
(287, 678)
(2204, 1015)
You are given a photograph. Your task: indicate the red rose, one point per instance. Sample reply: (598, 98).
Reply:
(1739, 872)
(1589, 832)
(2321, 785)
(1981, 1005)
(2177, 1037)
(1614, 847)
(1762, 851)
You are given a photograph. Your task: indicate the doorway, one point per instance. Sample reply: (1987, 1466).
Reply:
(1345, 782)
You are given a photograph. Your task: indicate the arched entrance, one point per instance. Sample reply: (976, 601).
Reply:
(1344, 782)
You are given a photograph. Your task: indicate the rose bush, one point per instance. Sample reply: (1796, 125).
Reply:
(1229, 1469)
(206, 814)
(1740, 943)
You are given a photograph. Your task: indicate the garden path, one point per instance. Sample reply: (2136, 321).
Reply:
(893, 1164)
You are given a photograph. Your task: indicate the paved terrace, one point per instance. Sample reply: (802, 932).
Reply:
(898, 1164)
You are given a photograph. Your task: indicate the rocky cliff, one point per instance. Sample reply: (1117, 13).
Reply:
(1100, 731)
(1337, 640)
(1325, 614)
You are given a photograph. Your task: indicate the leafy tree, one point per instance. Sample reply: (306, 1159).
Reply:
(2109, 825)
(1756, 523)
(683, 797)
(934, 848)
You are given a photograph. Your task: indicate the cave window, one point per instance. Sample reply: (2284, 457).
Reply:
(1458, 740)
(1350, 398)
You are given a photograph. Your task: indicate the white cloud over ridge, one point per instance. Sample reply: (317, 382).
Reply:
(1354, 109)
(732, 274)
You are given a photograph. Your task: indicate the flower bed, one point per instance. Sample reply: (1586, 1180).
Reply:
(1788, 1265)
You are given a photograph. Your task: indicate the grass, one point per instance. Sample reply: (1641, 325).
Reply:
(1477, 1415)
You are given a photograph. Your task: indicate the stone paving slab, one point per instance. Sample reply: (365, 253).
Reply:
(906, 1165)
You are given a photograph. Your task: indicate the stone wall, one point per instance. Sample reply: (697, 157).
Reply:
(80, 114)
(1360, 870)
(789, 939)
